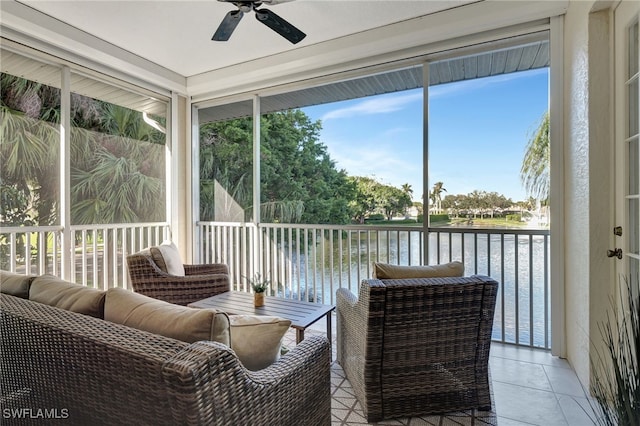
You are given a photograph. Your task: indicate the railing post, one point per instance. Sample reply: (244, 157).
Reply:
(67, 252)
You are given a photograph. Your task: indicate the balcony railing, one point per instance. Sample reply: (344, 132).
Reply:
(308, 262)
(311, 262)
(97, 257)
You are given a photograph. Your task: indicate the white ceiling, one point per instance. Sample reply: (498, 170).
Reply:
(177, 34)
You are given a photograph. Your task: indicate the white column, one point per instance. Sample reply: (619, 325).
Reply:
(195, 183)
(256, 185)
(556, 196)
(425, 161)
(67, 254)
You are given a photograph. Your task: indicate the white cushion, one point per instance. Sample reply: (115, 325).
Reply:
(257, 339)
(385, 271)
(170, 258)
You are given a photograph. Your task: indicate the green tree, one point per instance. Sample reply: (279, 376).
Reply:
(299, 181)
(436, 196)
(391, 200)
(534, 172)
(114, 174)
(364, 202)
(407, 189)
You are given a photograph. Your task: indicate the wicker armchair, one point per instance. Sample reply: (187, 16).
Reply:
(417, 346)
(199, 281)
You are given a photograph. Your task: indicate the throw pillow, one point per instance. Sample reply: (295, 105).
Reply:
(168, 259)
(383, 271)
(53, 291)
(256, 340)
(15, 284)
(166, 319)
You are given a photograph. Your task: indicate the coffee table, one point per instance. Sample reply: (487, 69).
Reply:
(301, 314)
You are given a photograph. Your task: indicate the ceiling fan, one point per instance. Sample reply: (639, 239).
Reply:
(267, 17)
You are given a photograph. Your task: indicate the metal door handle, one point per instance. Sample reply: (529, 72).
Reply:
(616, 252)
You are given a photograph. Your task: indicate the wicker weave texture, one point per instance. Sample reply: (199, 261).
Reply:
(417, 346)
(102, 373)
(199, 282)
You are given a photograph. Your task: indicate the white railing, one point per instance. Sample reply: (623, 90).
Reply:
(97, 253)
(309, 262)
(312, 261)
(31, 249)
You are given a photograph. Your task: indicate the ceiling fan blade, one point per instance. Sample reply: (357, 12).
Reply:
(279, 25)
(228, 24)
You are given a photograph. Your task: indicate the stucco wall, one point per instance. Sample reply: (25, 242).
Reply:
(576, 188)
(588, 178)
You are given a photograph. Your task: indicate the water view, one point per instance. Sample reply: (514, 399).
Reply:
(335, 258)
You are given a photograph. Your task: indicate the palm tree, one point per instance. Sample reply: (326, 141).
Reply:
(406, 188)
(436, 196)
(534, 172)
(114, 174)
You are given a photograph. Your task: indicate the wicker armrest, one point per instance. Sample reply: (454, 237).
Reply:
(206, 269)
(344, 296)
(183, 290)
(294, 390)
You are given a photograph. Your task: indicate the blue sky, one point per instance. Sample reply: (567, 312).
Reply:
(478, 131)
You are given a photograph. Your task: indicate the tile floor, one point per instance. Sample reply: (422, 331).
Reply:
(530, 386)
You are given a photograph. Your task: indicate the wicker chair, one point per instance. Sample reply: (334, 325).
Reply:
(199, 281)
(417, 346)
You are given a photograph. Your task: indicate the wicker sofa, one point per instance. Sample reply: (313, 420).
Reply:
(59, 363)
(417, 346)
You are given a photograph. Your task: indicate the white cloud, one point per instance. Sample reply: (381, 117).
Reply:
(382, 164)
(375, 105)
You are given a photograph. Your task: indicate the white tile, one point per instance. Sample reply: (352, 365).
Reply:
(532, 406)
(519, 373)
(518, 353)
(564, 381)
(577, 411)
(503, 421)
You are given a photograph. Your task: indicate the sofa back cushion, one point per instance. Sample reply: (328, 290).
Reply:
(384, 271)
(166, 319)
(53, 291)
(15, 284)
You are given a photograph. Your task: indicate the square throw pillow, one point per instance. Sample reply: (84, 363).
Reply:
(167, 258)
(166, 319)
(257, 339)
(383, 271)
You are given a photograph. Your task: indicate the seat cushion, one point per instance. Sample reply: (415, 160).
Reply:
(166, 319)
(385, 271)
(53, 291)
(257, 339)
(168, 258)
(15, 284)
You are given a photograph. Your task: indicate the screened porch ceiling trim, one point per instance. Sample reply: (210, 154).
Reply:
(48, 74)
(523, 57)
